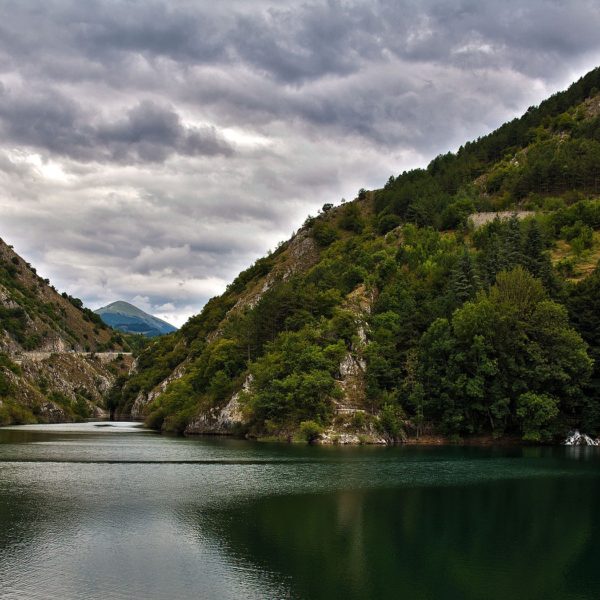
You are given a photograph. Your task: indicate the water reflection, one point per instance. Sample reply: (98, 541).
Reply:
(94, 514)
(517, 539)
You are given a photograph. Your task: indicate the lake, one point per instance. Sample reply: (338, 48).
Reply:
(111, 511)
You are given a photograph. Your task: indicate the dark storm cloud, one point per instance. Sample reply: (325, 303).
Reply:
(152, 149)
(146, 132)
(312, 63)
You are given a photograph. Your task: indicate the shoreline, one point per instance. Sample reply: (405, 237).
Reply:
(344, 440)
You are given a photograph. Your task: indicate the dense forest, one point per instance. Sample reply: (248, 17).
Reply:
(461, 300)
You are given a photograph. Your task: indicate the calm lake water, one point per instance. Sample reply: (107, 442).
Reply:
(104, 512)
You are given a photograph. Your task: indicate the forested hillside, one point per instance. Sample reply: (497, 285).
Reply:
(460, 300)
(47, 343)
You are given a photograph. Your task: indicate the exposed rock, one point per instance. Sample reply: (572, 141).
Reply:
(42, 355)
(332, 437)
(221, 421)
(592, 107)
(483, 218)
(301, 254)
(54, 344)
(302, 251)
(362, 334)
(143, 400)
(351, 382)
(134, 366)
(52, 413)
(217, 421)
(5, 299)
(580, 439)
(73, 375)
(352, 366)
(360, 301)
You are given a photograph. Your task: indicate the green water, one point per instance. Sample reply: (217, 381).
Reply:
(96, 512)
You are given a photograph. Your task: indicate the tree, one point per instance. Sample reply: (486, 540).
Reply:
(351, 219)
(310, 431)
(464, 281)
(511, 254)
(387, 222)
(294, 381)
(536, 413)
(323, 233)
(534, 258)
(509, 342)
(583, 304)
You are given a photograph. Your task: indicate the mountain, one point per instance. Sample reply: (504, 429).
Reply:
(58, 360)
(458, 301)
(130, 319)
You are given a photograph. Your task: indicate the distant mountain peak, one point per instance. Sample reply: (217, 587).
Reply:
(129, 318)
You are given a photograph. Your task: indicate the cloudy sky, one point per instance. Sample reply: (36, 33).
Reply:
(151, 150)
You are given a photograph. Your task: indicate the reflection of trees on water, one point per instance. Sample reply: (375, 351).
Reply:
(517, 539)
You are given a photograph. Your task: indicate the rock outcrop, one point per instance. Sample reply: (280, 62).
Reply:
(144, 399)
(580, 439)
(49, 368)
(483, 218)
(221, 421)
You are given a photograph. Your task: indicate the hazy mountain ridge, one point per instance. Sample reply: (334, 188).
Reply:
(131, 319)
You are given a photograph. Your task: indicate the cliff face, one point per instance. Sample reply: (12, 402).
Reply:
(295, 257)
(48, 369)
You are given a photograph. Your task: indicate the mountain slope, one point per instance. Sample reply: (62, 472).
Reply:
(412, 311)
(48, 367)
(130, 319)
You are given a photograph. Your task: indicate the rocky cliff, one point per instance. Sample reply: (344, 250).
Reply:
(54, 364)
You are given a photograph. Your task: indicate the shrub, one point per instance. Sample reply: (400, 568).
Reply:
(536, 412)
(390, 421)
(351, 219)
(359, 420)
(6, 387)
(324, 234)
(386, 223)
(310, 431)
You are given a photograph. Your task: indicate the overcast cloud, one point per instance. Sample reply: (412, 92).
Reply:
(151, 150)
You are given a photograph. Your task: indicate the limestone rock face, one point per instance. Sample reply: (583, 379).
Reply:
(143, 400)
(54, 348)
(483, 218)
(580, 439)
(353, 367)
(352, 381)
(221, 421)
(52, 413)
(301, 254)
(350, 439)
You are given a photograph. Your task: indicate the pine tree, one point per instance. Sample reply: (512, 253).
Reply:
(533, 249)
(464, 281)
(511, 255)
(490, 260)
